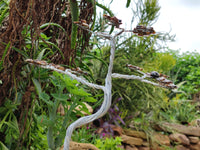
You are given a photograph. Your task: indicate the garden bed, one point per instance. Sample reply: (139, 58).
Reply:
(166, 136)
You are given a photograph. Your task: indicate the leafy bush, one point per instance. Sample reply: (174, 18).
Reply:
(187, 70)
(9, 129)
(108, 143)
(136, 96)
(85, 134)
(179, 112)
(65, 91)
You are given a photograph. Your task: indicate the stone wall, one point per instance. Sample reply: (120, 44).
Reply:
(169, 136)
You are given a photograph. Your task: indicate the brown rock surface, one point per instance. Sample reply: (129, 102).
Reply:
(128, 147)
(131, 140)
(161, 139)
(181, 147)
(143, 148)
(158, 148)
(195, 146)
(80, 146)
(180, 138)
(135, 133)
(193, 139)
(188, 130)
(145, 143)
(117, 130)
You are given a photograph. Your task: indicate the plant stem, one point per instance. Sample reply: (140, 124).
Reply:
(50, 133)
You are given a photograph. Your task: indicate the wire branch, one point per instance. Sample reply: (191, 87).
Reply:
(107, 94)
(68, 72)
(134, 77)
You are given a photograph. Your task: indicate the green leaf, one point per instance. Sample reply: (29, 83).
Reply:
(53, 24)
(128, 3)
(39, 57)
(13, 124)
(3, 120)
(79, 92)
(37, 85)
(61, 97)
(46, 98)
(90, 99)
(70, 83)
(21, 52)
(75, 15)
(44, 36)
(84, 108)
(4, 14)
(44, 120)
(4, 55)
(3, 147)
(50, 43)
(55, 81)
(91, 56)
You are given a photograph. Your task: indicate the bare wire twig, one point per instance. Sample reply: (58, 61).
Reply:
(134, 77)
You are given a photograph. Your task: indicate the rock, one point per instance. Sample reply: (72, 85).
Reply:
(157, 147)
(143, 148)
(160, 148)
(181, 147)
(131, 140)
(80, 146)
(145, 143)
(193, 139)
(117, 130)
(161, 139)
(180, 138)
(135, 133)
(195, 123)
(188, 130)
(128, 147)
(195, 146)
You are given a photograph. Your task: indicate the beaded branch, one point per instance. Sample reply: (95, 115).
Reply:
(159, 80)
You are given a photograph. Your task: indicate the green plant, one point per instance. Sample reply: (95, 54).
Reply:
(2, 58)
(65, 91)
(4, 10)
(147, 11)
(186, 113)
(108, 143)
(85, 134)
(180, 112)
(187, 70)
(9, 129)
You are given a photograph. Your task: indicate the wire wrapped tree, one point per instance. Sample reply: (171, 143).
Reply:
(160, 79)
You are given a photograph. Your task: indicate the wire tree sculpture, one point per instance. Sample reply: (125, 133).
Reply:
(160, 79)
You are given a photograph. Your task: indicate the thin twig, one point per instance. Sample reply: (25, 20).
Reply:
(134, 77)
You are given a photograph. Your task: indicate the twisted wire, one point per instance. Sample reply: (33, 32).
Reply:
(104, 107)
